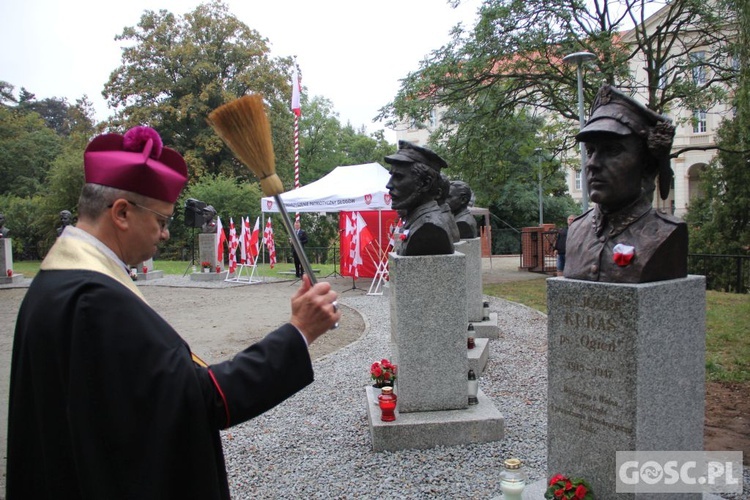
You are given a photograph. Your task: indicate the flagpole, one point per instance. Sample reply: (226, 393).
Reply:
(297, 110)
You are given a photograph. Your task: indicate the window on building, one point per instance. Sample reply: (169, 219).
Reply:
(578, 180)
(433, 118)
(699, 121)
(699, 68)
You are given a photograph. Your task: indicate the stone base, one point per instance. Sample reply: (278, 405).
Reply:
(209, 276)
(535, 491)
(487, 329)
(478, 356)
(9, 280)
(480, 423)
(151, 275)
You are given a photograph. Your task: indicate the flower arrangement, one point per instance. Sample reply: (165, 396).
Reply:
(9, 272)
(563, 487)
(206, 264)
(383, 372)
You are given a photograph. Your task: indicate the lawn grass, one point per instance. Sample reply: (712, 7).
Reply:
(727, 325)
(727, 314)
(30, 268)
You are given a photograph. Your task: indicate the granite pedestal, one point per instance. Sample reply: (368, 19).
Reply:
(151, 273)
(626, 372)
(428, 339)
(478, 423)
(487, 329)
(472, 248)
(428, 331)
(478, 356)
(207, 247)
(6, 261)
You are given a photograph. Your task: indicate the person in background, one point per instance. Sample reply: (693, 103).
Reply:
(106, 399)
(302, 236)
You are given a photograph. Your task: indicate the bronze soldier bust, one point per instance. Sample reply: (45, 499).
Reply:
(459, 199)
(444, 189)
(65, 220)
(623, 239)
(413, 187)
(4, 231)
(209, 220)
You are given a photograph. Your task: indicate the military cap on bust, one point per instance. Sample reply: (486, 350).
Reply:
(137, 162)
(411, 153)
(616, 113)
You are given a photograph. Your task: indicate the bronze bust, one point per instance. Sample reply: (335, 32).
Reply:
(209, 220)
(459, 198)
(623, 239)
(4, 231)
(66, 219)
(413, 187)
(444, 189)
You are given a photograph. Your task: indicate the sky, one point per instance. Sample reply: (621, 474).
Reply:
(352, 52)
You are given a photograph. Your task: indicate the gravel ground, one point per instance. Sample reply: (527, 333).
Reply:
(317, 444)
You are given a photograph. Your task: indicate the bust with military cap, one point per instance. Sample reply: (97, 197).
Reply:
(459, 199)
(413, 187)
(623, 239)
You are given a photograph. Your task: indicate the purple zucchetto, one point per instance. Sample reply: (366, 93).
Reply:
(137, 162)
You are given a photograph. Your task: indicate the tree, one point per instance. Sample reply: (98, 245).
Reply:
(27, 149)
(177, 70)
(518, 48)
(719, 221)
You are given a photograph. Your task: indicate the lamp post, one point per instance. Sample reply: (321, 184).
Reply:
(538, 152)
(579, 58)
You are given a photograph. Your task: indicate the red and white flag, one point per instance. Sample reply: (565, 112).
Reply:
(221, 240)
(234, 242)
(254, 239)
(296, 108)
(361, 239)
(244, 238)
(270, 245)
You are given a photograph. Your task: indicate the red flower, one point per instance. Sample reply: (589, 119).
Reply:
(383, 371)
(558, 477)
(580, 492)
(402, 236)
(9, 272)
(559, 493)
(568, 486)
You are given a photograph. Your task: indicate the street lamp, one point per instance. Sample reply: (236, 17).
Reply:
(579, 58)
(538, 151)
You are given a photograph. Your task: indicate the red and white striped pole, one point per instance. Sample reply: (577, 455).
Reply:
(297, 110)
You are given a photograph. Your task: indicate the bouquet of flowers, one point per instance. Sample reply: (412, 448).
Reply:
(383, 372)
(561, 487)
(206, 264)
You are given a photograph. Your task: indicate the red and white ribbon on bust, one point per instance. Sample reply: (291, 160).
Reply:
(623, 254)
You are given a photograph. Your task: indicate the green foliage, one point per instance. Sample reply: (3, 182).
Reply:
(719, 220)
(27, 149)
(176, 70)
(26, 221)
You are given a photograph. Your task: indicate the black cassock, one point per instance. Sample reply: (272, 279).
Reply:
(106, 401)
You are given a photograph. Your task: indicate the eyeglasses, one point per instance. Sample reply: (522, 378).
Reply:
(164, 220)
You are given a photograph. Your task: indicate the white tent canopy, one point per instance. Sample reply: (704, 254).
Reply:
(351, 188)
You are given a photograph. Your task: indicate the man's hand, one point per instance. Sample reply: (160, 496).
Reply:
(314, 309)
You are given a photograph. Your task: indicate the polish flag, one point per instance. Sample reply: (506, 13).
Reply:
(253, 241)
(244, 238)
(221, 240)
(270, 245)
(296, 108)
(361, 239)
(233, 244)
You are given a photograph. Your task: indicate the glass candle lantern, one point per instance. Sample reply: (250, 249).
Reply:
(512, 479)
(485, 311)
(387, 403)
(471, 343)
(473, 388)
